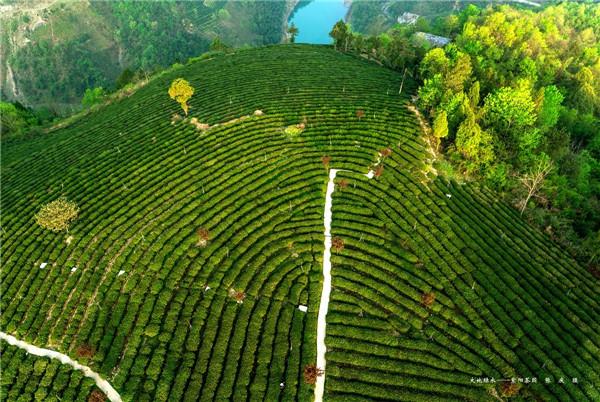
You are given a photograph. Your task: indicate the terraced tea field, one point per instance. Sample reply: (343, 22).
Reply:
(439, 292)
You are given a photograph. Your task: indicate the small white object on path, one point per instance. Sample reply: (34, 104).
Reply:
(73, 269)
(121, 272)
(325, 293)
(303, 308)
(449, 195)
(206, 288)
(43, 265)
(104, 386)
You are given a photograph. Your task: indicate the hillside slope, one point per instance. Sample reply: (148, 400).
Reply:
(159, 312)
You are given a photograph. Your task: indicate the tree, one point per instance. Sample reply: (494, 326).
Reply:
(340, 34)
(474, 95)
(427, 299)
(13, 119)
(217, 45)
(337, 243)
(586, 96)
(472, 141)
(292, 31)
(373, 43)
(311, 372)
(85, 351)
(440, 127)
(550, 107)
(203, 237)
(181, 91)
(125, 78)
(96, 396)
(509, 110)
(533, 180)
(57, 215)
(92, 96)
(430, 93)
(434, 62)
(509, 389)
(459, 74)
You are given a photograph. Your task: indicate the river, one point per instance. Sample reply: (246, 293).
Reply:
(315, 20)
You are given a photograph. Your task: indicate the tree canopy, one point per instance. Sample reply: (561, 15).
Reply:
(516, 87)
(57, 215)
(181, 91)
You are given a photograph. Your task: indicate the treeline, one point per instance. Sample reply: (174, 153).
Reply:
(397, 48)
(514, 101)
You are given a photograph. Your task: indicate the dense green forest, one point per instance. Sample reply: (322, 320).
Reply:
(56, 53)
(520, 94)
(513, 100)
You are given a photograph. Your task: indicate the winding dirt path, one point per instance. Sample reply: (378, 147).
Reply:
(325, 293)
(110, 392)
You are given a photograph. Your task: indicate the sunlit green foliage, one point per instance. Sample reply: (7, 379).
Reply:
(532, 80)
(93, 96)
(181, 91)
(57, 215)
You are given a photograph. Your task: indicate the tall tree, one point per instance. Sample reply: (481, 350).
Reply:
(474, 143)
(550, 107)
(340, 34)
(181, 91)
(534, 179)
(440, 127)
(292, 32)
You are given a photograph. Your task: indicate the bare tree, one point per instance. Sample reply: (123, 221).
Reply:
(337, 243)
(534, 179)
(311, 372)
(427, 299)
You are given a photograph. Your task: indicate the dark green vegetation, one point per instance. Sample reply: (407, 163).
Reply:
(16, 120)
(54, 52)
(507, 301)
(27, 378)
(522, 90)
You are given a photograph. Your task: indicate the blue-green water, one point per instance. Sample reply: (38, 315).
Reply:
(315, 20)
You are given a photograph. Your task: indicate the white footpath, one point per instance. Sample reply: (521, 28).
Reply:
(324, 304)
(110, 392)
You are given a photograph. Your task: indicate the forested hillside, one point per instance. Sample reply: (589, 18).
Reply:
(515, 100)
(52, 51)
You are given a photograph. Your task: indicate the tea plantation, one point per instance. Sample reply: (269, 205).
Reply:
(440, 292)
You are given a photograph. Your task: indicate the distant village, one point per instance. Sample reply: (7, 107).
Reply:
(435, 40)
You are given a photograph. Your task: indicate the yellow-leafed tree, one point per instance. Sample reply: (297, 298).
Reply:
(57, 215)
(181, 91)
